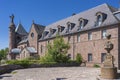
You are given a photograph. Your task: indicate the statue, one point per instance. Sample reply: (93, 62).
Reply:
(109, 60)
(108, 70)
(12, 18)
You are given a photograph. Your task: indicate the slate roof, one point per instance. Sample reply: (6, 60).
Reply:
(25, 40)
(20, 30)
(31, 50)
(39, 28)
(15, 51)
(90, 15)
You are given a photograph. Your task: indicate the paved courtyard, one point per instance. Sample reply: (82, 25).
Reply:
(57, 73)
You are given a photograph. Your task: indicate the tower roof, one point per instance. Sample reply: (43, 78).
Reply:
(20, 30)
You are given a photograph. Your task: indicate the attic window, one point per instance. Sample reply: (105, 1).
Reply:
(70, 26)
(82, 23)
(100, 18)
(52, 31)
(45, 33)
(60, 28)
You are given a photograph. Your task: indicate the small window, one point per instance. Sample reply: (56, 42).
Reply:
(90, 36)
(41, 48)
(68, 28)
(32, 35)
(69, 37)
(78, 38)
(81, 25)
(69, 56)
(104, 32)
(103, 56)
(89, 57)
(99, 20)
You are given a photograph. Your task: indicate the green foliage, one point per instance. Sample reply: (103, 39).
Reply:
(96, 66)
(57, 51)
(37, 57)
(3, 53)
(47, 58)
(24, 63)
(78, 58)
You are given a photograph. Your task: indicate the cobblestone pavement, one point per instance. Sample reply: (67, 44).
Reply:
(57, 73)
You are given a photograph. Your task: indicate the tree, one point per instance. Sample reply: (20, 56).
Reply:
(3, 53)
(58, 50)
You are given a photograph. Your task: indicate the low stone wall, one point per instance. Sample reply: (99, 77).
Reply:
(9, 68)
(54, 65)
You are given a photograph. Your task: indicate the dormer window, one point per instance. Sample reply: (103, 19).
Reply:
(100, 17)
(52, 31)
(70, 26)
(59, 29)
(82, 23)
(99, 20)
(45, 33)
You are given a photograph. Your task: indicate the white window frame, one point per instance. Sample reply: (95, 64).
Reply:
(89, 35)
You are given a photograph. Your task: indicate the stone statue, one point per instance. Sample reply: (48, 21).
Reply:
(109, 60)
(108, 70)
(12, 18)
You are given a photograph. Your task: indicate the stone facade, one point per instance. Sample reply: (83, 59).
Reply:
(85, 33)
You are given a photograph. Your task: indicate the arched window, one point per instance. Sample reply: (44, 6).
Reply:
(99, 20)
(82, 23)
(100, 17)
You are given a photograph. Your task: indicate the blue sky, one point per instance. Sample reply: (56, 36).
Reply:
(42, 12)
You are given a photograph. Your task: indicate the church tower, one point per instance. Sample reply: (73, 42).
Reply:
(12, 34)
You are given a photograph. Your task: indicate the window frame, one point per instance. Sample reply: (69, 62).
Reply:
(90, 57)
(78, 37)
(89, 35)
(104, 32)
(103, 55)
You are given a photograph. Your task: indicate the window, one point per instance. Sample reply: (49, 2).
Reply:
(99, 20)
(89, 57)
(103, 55)
(104, 33)
(81, 24)
(41, 48)
(48, 42)
(69, 39)
(78, 38)
(69, 56)
(59, 30)
(68, 27)
(90, 36)
(32, 35)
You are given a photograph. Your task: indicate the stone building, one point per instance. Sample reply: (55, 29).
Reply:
(85, 33)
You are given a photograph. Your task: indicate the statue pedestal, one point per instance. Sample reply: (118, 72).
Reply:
(109, 72)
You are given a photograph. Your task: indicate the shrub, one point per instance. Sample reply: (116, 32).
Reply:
(24, 63)
(78, 58)
(96, 66)
(37, 57)
(47, 58)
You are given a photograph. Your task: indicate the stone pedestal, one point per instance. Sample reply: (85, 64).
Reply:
(109, 72)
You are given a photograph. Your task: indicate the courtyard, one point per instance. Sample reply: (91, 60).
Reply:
(55, 73)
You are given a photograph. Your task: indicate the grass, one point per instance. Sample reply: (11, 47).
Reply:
(13, 72)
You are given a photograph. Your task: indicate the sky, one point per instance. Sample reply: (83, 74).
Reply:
(43, 12)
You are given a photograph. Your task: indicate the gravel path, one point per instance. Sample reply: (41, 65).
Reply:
(57, 73)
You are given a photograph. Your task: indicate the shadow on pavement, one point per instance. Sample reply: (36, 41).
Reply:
(4, 76)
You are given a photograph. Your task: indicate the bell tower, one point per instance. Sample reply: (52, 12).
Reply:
(12, 33)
